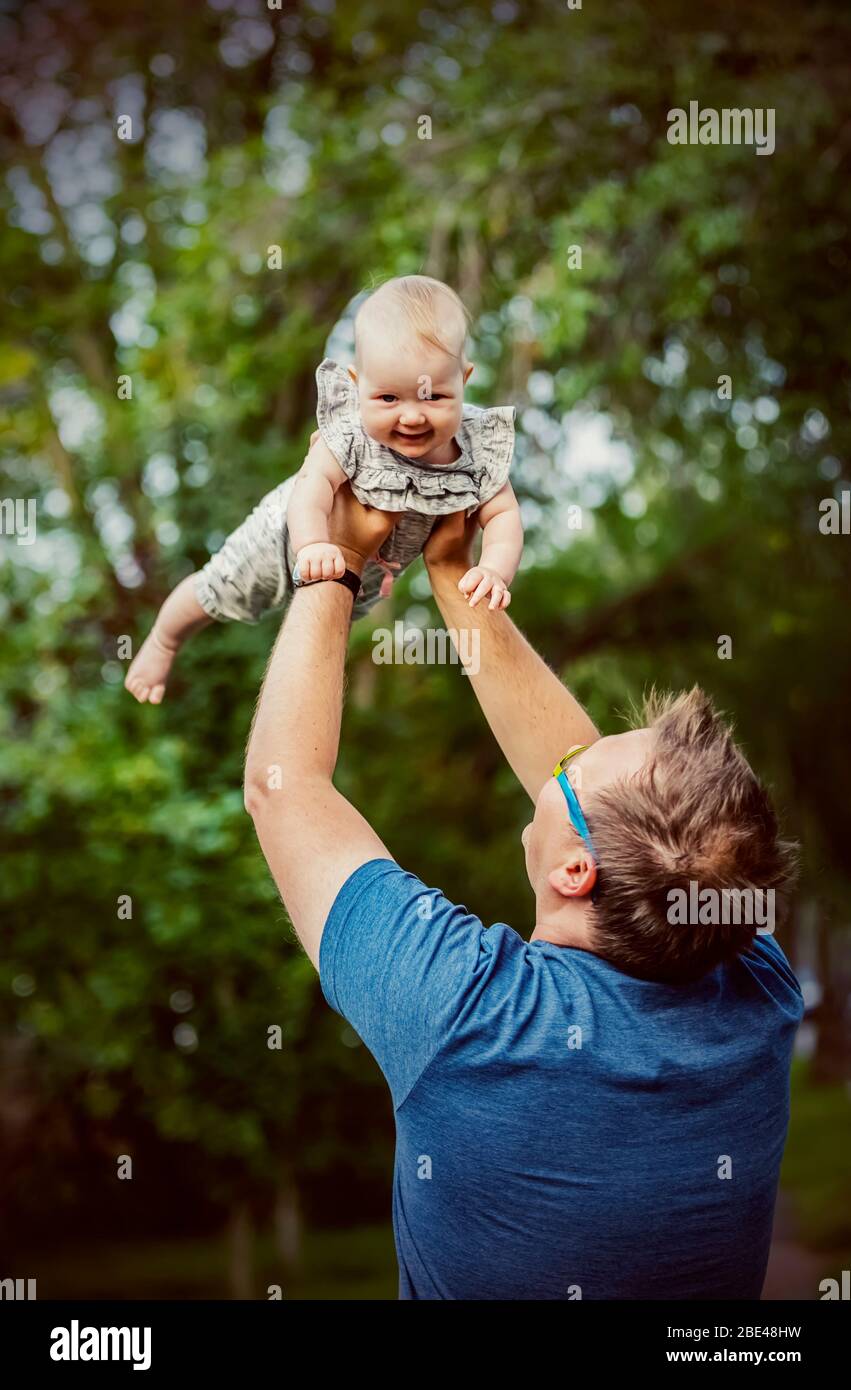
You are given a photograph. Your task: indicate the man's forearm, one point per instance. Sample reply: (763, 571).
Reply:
(312, 838)
(295, 737)
(533, 716)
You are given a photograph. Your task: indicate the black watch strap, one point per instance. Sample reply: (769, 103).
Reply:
(351, 580)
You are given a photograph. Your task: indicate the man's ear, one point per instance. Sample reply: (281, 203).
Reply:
(576, 877)
(467, 370)
(353, 374)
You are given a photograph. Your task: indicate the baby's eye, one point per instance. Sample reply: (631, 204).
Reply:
(387, 398)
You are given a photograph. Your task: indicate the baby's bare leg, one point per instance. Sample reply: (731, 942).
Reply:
(179, 617)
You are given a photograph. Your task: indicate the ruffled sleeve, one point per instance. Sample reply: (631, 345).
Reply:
(338, 415)
(487, 439)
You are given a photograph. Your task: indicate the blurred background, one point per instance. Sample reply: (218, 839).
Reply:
(144, 954)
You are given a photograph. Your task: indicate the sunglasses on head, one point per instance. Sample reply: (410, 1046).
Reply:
(578, 820)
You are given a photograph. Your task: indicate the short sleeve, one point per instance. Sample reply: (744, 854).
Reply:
(338, 415)
(767, 963)
(398, 960)
(487, 436)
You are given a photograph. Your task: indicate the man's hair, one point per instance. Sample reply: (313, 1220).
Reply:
(695, 814)
(426, 307)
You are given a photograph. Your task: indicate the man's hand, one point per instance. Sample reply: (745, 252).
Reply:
(450, 545)
(449, 550)
(357, 530)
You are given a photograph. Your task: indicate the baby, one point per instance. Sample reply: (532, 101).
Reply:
(397, 428)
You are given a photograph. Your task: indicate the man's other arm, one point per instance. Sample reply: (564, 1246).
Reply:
(533, 716)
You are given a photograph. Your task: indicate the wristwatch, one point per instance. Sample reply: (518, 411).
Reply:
(350, 580)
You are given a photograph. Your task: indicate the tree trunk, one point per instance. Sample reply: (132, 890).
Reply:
(240, 1241)
(287, 1222)
(830, 1058)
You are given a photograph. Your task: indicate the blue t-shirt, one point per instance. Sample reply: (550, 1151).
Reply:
(564, 1130)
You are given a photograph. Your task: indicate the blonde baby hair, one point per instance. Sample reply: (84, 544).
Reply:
(424, 306)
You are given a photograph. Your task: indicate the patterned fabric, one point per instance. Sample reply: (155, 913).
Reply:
(252, 573)
(382, 478)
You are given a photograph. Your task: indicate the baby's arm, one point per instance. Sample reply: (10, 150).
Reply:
(179, 617)
(502, 546)
(316, 485)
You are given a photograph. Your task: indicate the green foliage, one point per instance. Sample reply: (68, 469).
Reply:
(814, 1164)
(700, 514)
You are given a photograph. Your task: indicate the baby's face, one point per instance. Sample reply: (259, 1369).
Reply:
(410, 401)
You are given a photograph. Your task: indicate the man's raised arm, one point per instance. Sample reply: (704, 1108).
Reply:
(313, 839)
(534, 718)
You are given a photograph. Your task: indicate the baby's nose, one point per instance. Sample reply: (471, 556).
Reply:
(411, 415)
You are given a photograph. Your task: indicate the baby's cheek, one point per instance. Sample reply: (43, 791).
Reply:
(369, 417)
(377, 429)
(455, 418)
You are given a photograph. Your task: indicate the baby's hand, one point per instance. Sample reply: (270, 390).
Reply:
(149, 670)
(320, 560)
(481, 581)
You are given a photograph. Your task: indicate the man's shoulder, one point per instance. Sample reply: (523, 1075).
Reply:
(382, 907)
(400, 961)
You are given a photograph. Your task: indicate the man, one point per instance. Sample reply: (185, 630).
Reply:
(599, 1111)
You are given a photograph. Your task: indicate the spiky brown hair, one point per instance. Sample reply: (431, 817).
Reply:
(696, 812)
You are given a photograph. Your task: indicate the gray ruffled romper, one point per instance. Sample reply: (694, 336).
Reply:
(252, 573)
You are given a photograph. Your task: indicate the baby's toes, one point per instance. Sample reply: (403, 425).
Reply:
(157, 694)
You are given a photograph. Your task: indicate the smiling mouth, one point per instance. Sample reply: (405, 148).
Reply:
(422, 435)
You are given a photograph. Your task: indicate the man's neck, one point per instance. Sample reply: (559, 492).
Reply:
(563, 923)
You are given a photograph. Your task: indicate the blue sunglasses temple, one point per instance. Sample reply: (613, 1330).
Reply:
(574, 808)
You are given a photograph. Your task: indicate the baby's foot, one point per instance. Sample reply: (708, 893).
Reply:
(149, 670)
